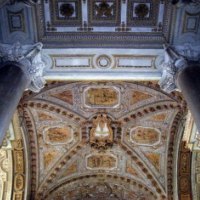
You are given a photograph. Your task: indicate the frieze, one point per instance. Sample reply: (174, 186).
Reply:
(83, 61)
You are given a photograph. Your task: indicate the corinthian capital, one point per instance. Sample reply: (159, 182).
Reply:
(173, 62)
(30, 60)
(27, 2)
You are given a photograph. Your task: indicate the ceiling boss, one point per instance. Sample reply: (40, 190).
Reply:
(101, 134)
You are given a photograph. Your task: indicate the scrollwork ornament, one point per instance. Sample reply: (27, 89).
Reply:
(27, 2)
(30, 60)
(189, 51)
(171, 65)
(11, 2)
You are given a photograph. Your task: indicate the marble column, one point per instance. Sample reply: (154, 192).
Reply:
(181, 74)
(21, 68)
(188, 80)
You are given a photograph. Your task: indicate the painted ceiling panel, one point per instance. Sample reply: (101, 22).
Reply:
(101, 140)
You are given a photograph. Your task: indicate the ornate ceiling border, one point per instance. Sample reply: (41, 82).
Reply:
(90, 39)
(14, 162)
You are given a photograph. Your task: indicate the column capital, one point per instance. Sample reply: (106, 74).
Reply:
(27, 2)
(30, 60)
(171, 65)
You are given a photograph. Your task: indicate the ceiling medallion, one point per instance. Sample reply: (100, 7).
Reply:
(67, 10)
(141, 10)
(104, 9)
(101, 134)
(103, 61)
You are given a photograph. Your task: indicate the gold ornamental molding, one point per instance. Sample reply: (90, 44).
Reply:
(101, 134)
(12, 167)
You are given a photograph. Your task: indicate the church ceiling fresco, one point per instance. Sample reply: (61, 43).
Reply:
(101, 140)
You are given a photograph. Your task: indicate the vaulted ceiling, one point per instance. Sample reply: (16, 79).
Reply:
(101, 139)
(71, 158)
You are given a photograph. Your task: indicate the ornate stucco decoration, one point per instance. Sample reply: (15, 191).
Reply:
(101, 135)
(27, 2)
(30, 60)
(183, 2)
(173, 62)
(189, 52)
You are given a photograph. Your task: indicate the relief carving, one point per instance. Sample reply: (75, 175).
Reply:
(184, 184)
(145, 135)
(101, 161)
(18, 196)
(18, 144)
(19, 182)
(101, 135)
(185, 163)
(19, 161)
(107, 97)
(3, 165)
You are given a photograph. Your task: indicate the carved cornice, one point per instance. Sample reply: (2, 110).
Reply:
(30, 60)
